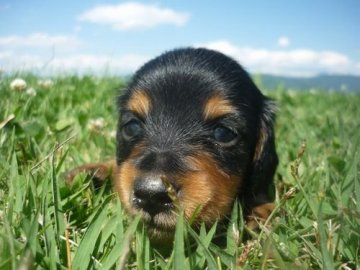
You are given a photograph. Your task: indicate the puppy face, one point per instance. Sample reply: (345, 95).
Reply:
(187, 138)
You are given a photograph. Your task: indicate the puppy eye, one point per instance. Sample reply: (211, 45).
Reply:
(132, 129)
(224, 135)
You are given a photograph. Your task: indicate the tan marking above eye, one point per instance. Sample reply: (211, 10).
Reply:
(139, 103)
(216, 107)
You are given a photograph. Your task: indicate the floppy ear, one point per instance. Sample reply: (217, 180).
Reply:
(260, 191)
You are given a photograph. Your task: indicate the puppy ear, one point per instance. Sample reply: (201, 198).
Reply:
(260, 190)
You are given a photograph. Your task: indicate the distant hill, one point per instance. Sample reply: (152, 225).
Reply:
(321, 82)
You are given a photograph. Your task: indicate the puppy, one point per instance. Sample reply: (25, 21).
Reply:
(194, 133)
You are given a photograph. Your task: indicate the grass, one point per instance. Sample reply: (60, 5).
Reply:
(45, 225)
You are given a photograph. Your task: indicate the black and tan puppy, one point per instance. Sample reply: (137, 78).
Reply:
(192, 123)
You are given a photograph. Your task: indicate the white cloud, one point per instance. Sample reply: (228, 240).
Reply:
(5, 54)
(283, 41)
(98, 63)
(11, 61)
(38, 40)
(297, 62)
(78, 63)
(133, 15)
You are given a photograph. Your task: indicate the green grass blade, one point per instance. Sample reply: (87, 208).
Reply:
(13, 187)
(204, 245)
(8, 252)
(83, 255)
(327, 259)
(142, 248)
(179, 244)
(59, 217)
(211, 262)
(234, 230)
(120, 251)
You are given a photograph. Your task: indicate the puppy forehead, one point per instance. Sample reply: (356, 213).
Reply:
(210, 104)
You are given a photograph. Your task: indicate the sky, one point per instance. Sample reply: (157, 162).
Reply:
(280, 37)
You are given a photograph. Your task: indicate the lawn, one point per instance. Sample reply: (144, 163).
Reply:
(71, 120)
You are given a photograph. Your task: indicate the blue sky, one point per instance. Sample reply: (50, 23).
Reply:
(282, 37)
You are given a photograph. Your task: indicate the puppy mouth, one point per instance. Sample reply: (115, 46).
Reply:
(158, 217)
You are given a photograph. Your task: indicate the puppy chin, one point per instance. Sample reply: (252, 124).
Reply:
(160, 226)
(160, 237)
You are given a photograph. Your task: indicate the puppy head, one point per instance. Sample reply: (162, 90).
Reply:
(187, 137)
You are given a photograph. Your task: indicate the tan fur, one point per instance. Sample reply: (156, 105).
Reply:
(100, 171)
(139, 103)
(260, 143)
(123, 182)
(124, 178)
(209, 188)
(259, 214)
(216, 107)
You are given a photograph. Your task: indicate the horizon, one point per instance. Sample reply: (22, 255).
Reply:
(277, 38)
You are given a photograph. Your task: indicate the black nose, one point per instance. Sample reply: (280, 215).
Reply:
(150, 195)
